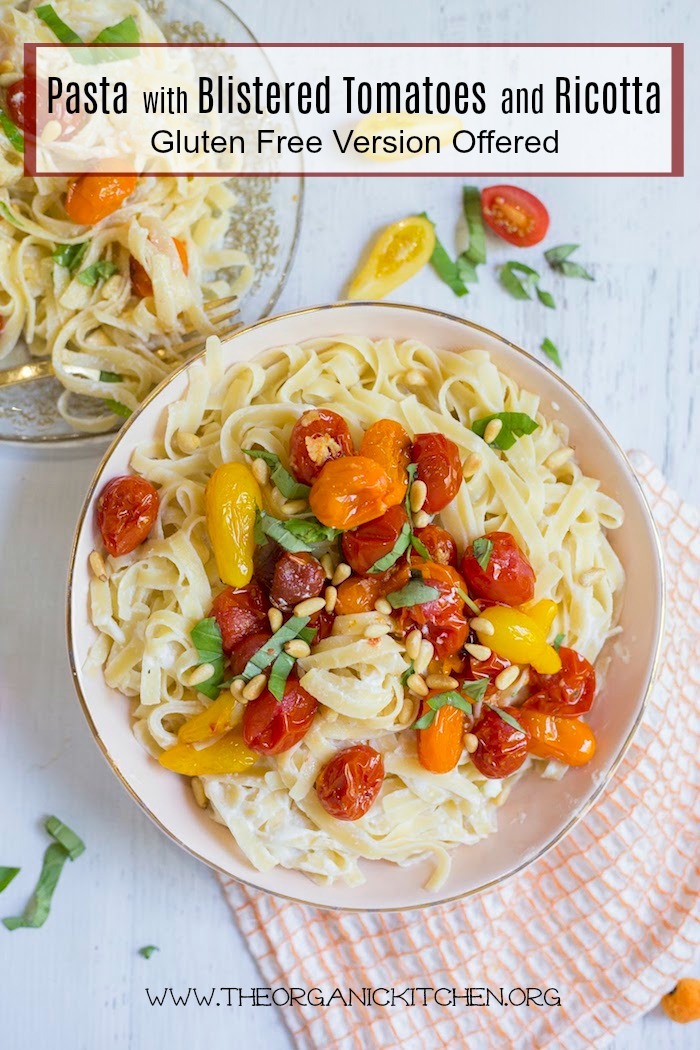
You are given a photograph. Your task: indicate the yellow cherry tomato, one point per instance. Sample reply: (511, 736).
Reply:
(375, 126)
(231, 500)
(568, 740)
(519, 638)
(210, 722)
(399, 253)
(542, 612)
(227, 755)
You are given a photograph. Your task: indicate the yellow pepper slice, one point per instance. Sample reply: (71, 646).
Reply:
(519, 638)
(227, 755)
(231, 500)
(210, 722)
(399, 253)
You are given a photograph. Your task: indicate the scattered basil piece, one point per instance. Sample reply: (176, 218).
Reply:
(476, 690)
(66, 847)
(279, 532)
(434, 703)
(522, 287)
(471, 202)
(279, 674)
(551, 351)
(97, 272)
(444, 267)
(272, 648)
(285, 482)
(311, 530)
(558, 259)
(562, 251)
(57, 26)
(469, 602)
(420, 547)
(12, 132)
(403, 541)
(73, 845)
(110, 377)
(6, 877)
(415, 592)
(407, 673)
(117, 407)
(558, 642)
(148, 951)
(515, 425)
(70, 255)
(546, 298)
(483, 548)
(506, 717)
(207, 640)
(574, 269)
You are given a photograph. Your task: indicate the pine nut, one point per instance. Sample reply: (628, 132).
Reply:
(377, 630)
(277, 499)
(97, 565)
(298, 648)
(441, 681)
(506, 678)
(200, 674)
(413, 644)
(331, 596)
(425, 655)
(591, 576)
(382, 606)
(471, 743)
(419, 492)
(51, 131)
(254, 687)
(309, 606)
(198, 792)
(294, 506)
(327, 563)
(421, 519)
(559, 458)
(407, 714)
(188, 442)
(482, 626)
(276, 619)
(417, 685)
(341, 573)
(236, 688)
(493, 429)
(479, 652)
(415, 378)
(471, 465)
(261, 471)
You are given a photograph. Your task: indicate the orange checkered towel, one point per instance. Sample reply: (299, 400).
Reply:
(609, 918)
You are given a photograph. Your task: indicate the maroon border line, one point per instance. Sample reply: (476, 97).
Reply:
(677, 113)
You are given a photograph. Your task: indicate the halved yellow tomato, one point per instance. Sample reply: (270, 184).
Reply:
(399, 252)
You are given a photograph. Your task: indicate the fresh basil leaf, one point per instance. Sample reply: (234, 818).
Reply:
(12, 132)
(519, 289)
(277, 530)
(551, 351)
(559, 253)
(407, 673)
(420, 547)
(148, 951)
(574, 269)
(426, 720)
(558, 259)
(97, 272)
(475, 690)
(285, 482)
(558, 642)
(508, 719)
(10, 216)
(70, 255)
(117, 407)
(272, 648)
(546, 298)
(6, 877)
(403, 541)
(471, 202)
(72, 844)
(110, 377)
(483, 548)
(434, 703)
(279, 674)
(311, 530)
(466, 270)
(415, 592)
(57, 26)
(515, 425)
(124, 32)
(443, 265)
(207, 640)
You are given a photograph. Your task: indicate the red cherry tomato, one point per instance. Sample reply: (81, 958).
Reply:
(18, 97)
(502, 748)
(322, 623)
(317, 437)
(490, 669)
(296, 577)
(569, 691)
(245, 649)
(240, 611)
(365, 545)
(348, 785)
(515, 215)
(508, 577)
(126, 510)
(271, 726)
(439, 543)
(442, 620)
(439, 467)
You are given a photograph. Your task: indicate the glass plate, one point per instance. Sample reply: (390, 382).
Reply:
(267, 223)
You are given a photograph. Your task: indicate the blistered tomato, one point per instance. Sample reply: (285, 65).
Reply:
(359, 593)
(442, 620)
(231, 500)
(569, 692)
(18, 98)
(439, 467)
(349, 491)
(126, 510)
(271, 726)
(566, 739)
(244, 650)
(440, 545)
(240, 611)
(441, 744)
(348, 785)
(506, 577)
(388, 443)
(366, 545)
(502, 748)
(140, 281)
(297, 576)
(91, 198)
(318, 436)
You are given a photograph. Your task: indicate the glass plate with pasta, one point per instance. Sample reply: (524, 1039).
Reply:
(97, 296)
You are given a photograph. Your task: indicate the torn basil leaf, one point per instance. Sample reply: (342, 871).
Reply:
(434, 703)
(469, 601)
(280, 476)
(549, 349)
(508, 719)
(420, 547)
(475, 690)
(475, 254)
(72, 844)
(483, 548)
(12, 132)
(558, 259)
(6, 877)
(415, 592)
(110, 377)
(148, 951)
(117, 407)
(515, 425)
(402, 543)
(546, 298)
(58, 27)
(558, 642)
(66, 847)
(99, 271)
(272, 648)
(70, 255)
(207, 640)
(279, 532)
(311, 530)
(444, 267)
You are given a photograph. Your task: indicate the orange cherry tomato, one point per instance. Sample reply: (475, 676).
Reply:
(240, 611)
(140, 281)
(441, 744)
(508, 577)
(271, 726)
(126, 510)
(569, 691)
(347, 787)
(91, 198)
(439, 467)
(318, 436)
(442, 620)
(502, 748)
(440, 545)
(567, 739)
(358, 594)
(388, 443)
(514, 214)
(349, 491)
(364, 546)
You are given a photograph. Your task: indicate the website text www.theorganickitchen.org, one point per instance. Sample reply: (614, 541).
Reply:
(383, 997)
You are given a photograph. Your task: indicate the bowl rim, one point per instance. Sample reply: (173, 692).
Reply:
(577, 816)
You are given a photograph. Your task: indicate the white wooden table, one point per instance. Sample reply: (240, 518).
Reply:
(629, 343)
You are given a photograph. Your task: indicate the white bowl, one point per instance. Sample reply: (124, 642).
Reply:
(538, 812)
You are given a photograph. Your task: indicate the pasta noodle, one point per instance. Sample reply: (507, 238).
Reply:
(145, 611)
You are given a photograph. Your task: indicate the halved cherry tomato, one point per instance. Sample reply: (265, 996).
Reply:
(349, 492)
(240, 611)
(297, 576)
(364, 546)
(91, 198)
(440, 544)
(348, 785)
(502, 748)
(388, 443)
(514, 214)
(18, 98)
(126, 510)
(569, 691)
(442, 620)
(508, 577)
(439, 467)
(317, 436)
(566, 739)
(399, 252)
(441, 744)
(141, 284)
(358, 594)
(271, 726)
(244, 650)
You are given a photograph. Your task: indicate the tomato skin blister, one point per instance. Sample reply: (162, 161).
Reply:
(388, 444)
(442, 621)
(567, 740)
(127, 509)
(297, 576)
(348, 785)
(439, 468)
(441, 546)
(570, 691)
(508, 577)
(349, 492)
(318, 436)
